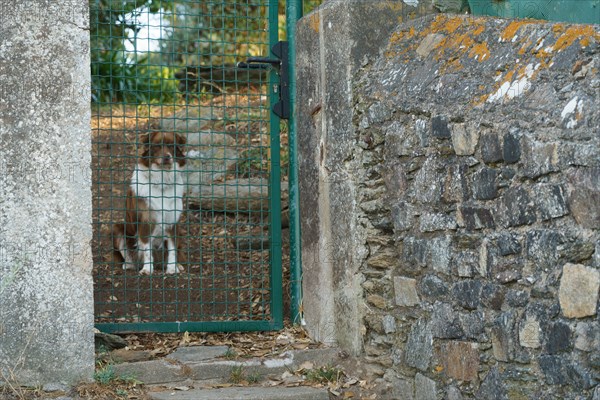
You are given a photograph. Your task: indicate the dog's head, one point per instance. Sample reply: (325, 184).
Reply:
(162, 150)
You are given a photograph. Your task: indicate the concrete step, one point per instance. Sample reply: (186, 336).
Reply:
(246, 393)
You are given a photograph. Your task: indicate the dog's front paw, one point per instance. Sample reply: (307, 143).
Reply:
(172, 269)
(146, 271)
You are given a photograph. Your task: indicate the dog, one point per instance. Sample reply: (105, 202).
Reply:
(154, 204)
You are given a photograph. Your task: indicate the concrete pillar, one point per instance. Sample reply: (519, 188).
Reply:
(46, 291)
(333, 43)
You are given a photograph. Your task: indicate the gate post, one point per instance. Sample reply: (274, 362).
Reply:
(46, 291)
(333, 43)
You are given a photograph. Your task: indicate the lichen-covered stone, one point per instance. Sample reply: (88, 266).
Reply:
(578, 293)
(489, 186)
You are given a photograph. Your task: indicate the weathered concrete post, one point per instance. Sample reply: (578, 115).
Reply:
(333, 43)
(46, 293)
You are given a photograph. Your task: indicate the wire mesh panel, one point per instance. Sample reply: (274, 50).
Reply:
(186, 159)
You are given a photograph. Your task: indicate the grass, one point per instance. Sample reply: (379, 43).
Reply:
(236, 376)
(230, 354)
(324, 374)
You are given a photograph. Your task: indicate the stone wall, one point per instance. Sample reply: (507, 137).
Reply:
(46, 293)
(472, 176)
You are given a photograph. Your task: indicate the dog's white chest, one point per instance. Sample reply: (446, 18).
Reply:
(162, 191)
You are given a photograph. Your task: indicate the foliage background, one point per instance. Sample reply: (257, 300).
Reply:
(194, 33)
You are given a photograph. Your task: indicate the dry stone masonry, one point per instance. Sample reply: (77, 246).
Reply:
(473, 167)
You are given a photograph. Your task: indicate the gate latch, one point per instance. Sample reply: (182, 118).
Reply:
(281, 63)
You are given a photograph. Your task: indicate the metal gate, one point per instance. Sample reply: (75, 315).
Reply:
(168, 68)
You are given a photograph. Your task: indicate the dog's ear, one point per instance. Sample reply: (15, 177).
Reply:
(145, 139)
(180, 139)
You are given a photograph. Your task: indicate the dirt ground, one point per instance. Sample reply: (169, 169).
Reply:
(222, 280)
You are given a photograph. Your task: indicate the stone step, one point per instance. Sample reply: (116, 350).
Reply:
(199, 363)
(246, 393)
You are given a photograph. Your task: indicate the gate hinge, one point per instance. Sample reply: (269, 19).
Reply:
(280, 50)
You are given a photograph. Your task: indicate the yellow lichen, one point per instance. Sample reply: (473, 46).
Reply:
(583, 33)
(525, 47)
(479, 51)
(511, 30)
(315, 21)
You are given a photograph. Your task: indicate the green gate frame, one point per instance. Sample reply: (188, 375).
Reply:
(275, 322)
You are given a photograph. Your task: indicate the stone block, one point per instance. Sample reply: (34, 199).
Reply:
(587, 336)
(405, 290)
(414, 252)
(578, 291)
(539, 158)
(419, 346)
(508, 244)
(460, 360)
(511, 149)
(428, 183)
(529, 333)
(485, 185)
(402, 388)
(558, 338)
(439, 253)
(472, 324)
(465, 263)
(492, 295)
(385, 258)
(517, 208)
(575, 251)
(430, 222)
(475, 218)
(492, 387)
(425, 388)
(467, 293)
(516, 298)
(491, 148)
(453, 393)
(551, 201)
(439, 127)
(584, 200)
(502, 337)
(433, 288)
(402, 214)
(541, 247)
(464, 139)
(389, 324)
(456, 185)
(445, 323)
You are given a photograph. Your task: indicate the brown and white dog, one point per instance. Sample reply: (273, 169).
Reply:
(154, 204)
